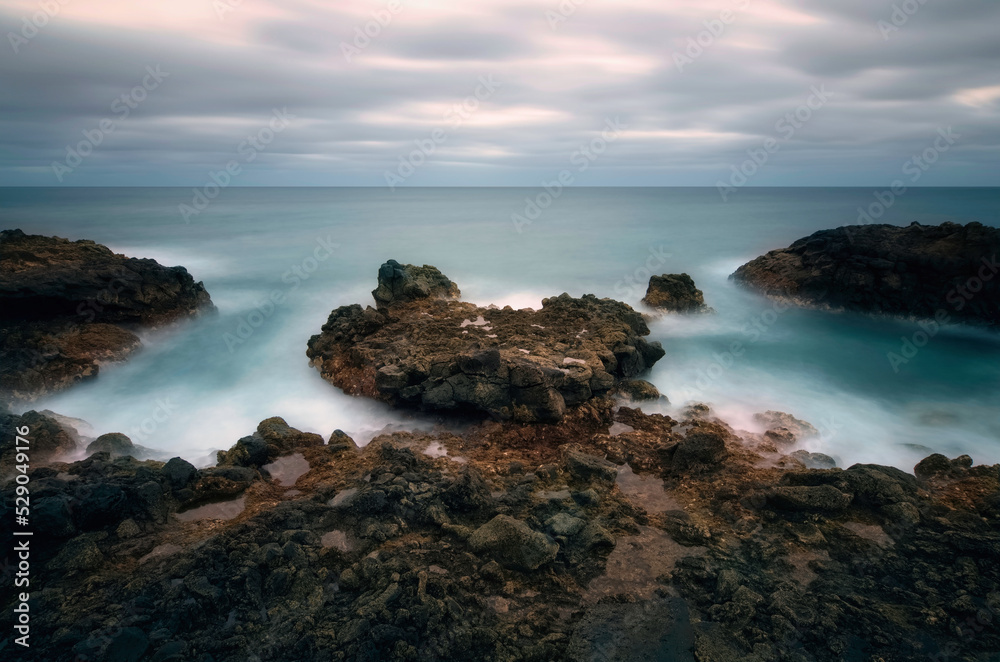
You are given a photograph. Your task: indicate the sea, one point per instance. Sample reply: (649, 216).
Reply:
(276, 261)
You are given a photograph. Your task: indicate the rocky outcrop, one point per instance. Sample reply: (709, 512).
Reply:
(400, 283)
(675, 293)
(70, 306)
(423, 351)
(946, 272)
(524, 543)
(47, 440)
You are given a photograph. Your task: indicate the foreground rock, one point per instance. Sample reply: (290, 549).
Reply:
(423, 349)
(523, 544)
(675, 293)
(947, 271)
(71, 305)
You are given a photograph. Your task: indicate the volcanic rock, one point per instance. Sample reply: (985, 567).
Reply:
(422, 351)
(675, 293)
(946, 272)
(71, 305)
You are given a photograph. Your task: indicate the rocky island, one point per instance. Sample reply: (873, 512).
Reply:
(421, 347)
(945, 272)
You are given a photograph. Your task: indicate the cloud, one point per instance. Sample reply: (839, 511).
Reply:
(743, 66)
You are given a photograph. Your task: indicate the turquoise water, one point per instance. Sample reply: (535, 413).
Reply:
(201, 386)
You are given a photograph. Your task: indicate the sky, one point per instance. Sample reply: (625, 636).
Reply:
(500, 92)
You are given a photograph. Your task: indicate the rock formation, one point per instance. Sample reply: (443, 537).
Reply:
(69, 306)
(422, 348)
(946, 272)
(523, 544)
(675, 293)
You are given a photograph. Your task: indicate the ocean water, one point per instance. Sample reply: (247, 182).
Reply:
(201, 385)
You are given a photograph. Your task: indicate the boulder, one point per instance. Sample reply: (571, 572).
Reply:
(115, 443)
(48, 440)
(703, 448)
(400, 283)
(675, 293)
(914, 271)
(513, 543)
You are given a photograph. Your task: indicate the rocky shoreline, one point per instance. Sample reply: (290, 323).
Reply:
(70, 306)
(559, 522)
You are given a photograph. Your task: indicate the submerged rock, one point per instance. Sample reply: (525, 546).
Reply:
(675, 293)
(419, 350)
(946, 272)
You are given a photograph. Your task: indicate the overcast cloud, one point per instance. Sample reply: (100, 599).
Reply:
(554, 75)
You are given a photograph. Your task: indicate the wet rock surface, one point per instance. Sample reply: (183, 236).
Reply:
(675, 293)
(913, 271)
(436, 353)
(530, 550)
(70, 306)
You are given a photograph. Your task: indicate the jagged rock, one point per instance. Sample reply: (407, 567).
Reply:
(273, 438)
(70, 305)
(675, 293)
(437, 354)
(915, 271)
(513, 543)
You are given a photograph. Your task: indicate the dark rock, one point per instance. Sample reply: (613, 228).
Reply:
(585, 467)
(875, 485)
(821, 498)
(913, 271)
(127, 646)
(69, 305)
(675, 293)
(513, 543)
(703, 448)
(400, 283)
(115, 443)
(178, 472)
(654, 630)
(468, 493)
